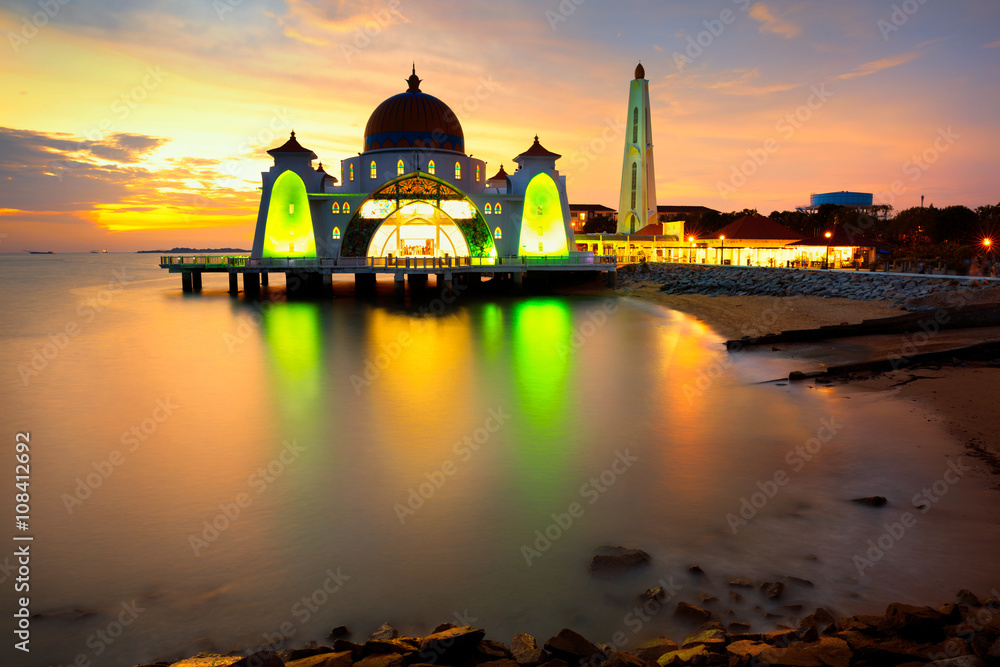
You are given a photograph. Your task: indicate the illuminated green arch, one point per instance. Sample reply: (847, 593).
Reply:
(288, 231)
(416, 187)
(543, 230)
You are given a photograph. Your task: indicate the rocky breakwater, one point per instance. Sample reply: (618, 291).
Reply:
(962, 633)
(759, 281)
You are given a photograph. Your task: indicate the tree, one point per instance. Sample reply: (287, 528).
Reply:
(957, 224)
(600, 224)
(913, 226)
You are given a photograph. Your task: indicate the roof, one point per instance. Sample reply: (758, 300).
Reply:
(756, 227)
(414, 119)
(537, 150)
(684, 209)
(500, 175)
(838, 237)
(292, 146)
(640, 72)
(320, 170)
(653, 229)
(591, 208)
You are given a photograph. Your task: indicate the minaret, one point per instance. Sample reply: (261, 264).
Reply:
(637, 204)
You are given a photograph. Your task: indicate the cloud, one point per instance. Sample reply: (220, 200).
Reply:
(992, 45)
(774, 24)
(880, 65)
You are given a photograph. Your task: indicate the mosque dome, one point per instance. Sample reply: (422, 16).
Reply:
(414, 119)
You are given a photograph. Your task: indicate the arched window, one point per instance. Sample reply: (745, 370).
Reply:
(633, 186)
(374, 170)
(477, 173)
(336, 233)
(336, 207)
(430, 167)
(497, 233)
(496, 209)
(399, 168)
(458, 171)
(347, 207)
(352, 171)
(488, 209)
(635, 126)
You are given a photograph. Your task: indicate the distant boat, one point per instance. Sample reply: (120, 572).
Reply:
(41, 252)
(97, 251)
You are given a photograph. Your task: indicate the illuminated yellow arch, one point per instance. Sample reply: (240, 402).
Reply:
(543, 231)
(288, 231)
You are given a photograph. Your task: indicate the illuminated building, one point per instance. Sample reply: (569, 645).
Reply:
(412, 192)
(637, 203)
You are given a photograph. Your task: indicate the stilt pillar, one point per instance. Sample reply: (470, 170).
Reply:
(251, 283)
(263, 279)
(196, 281)
(234, 283)
(186, 281)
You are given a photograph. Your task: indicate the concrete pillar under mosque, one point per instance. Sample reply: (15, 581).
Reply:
(186, 281)
(196, 281)
(251, 283)
(234, 283)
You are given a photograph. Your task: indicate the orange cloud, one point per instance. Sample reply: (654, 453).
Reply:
(772, 23)
(880, 65)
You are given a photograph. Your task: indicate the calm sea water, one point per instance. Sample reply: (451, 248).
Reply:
(208, 469)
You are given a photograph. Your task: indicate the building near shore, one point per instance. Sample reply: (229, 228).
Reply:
(412, 192)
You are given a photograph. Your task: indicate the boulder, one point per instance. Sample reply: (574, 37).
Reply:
(400, 645)
(686, 656)
(650, 651)
(617, 560)
(492, 650)
(960, 661)
(655, 593)
(339, 632)
(206, 660)
(772, 590)
(384, 631)
(789, 657)
(714, 640)
(740, 583)
(525, 650)
(340, 645)
(833, 652)
(342, 659)
(291, 655)
(622, 659)
(571, 647)
(689, 612)
(381, 660)
(969, 598)
(260, 659)
(443, 627)
(746, 650)
(451, 644)
(920, 623)
(881, 651)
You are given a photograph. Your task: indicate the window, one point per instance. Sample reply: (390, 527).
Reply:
(352, 171)
(336, 233)
(291, 209)
(496, 209)
(399, 168)
(347, 207)
(336, 208)
(583, 217)
(488, 209)
(497, 234)
(635, 126)
(430, 167)
(633, 186)
(374, 170)
(477, 173)
(458, 171)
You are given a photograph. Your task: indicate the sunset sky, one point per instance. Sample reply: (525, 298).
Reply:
(143, 124)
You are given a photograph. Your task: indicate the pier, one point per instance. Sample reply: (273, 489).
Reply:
(311, 275)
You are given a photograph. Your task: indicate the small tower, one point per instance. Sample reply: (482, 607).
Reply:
(637, 203)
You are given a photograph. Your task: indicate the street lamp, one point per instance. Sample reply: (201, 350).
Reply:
(828, 235)
(722, 248)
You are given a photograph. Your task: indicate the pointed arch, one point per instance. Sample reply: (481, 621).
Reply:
(347, 207)
(488, 209)
(352, 171)
(399, 168)
(288, 231)
(336, 233)
(497, 234)
(543, 230)
(496, 209)
(458, 171)
(374, 170)
(634, 170)
(336, 208)
(635, 124)
(430, 167)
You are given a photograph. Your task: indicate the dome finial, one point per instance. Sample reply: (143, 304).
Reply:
(413, 81)
(293, 134)
(640, 73)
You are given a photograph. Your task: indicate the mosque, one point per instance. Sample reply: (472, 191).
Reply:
(413, 192)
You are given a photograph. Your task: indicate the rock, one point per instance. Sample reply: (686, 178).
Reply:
(503, 662)
(622, 659)
(740, 583)
(655, 593)
(571, 647)
(880, 651)
(340, 645)
(339, 632)
(206, 660)
(746, 650)
(714, 640)
(650, 651)
(689, 612)
(525, 649)
(381, 660)
(492, 650)
(554, 662)
(833, 652)
(772, 590)
(735, 597)
(706, 599)
(400, 645)
(696, 571)
(687, 656)
(969, 598)
(384, 631)
(291, 655)
(921, 623)
(800, 582)
(789, 657)
(872, 625)
(871, 501)
(617, 560)
(342, 659)
(260, 659)
(960, 661)
(451, 644)
(443, 627)
(737, 626)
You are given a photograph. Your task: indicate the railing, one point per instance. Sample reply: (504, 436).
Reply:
(222, 261)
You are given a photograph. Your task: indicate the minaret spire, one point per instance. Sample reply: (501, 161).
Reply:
(637, 202)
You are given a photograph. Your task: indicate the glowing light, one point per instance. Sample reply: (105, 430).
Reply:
(347, 207)
(336, 233)
(828, 235)
(352, 171)
(430, 167)
(542, 220)
(287, 233)
(336, 208)
(376, 209)
(458, 171)
(488, 210)
(496, 209)
(414, 208)
(399, 168)
(374, 171)
(497, 234)
(459, 210)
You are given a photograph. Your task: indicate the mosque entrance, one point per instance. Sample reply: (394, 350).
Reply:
(418, 229)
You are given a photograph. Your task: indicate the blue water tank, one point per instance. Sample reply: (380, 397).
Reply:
(844, 198)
